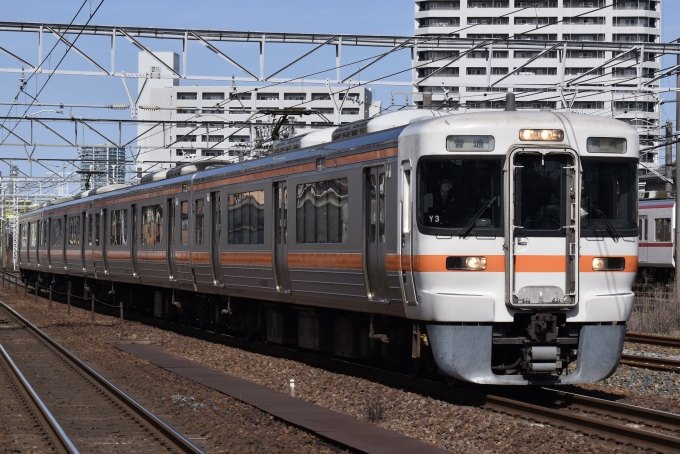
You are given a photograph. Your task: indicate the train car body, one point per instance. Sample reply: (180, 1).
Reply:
(656, 225)
(494, 247)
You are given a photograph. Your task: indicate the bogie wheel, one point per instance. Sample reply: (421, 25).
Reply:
(413, 366)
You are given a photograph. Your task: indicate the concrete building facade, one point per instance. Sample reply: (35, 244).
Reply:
(107, 163)
(464, 85)
(210, 116)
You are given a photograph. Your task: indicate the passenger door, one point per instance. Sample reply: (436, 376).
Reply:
(215, 237)
(170, 253)
(374, 233)
(643, 235)
(83, 226)
(544, 228)
(105, 239)
(280, 240)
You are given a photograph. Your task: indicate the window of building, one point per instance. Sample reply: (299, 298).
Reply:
(350, 112)
(585, 20)
(191, 96)
(583, 37)
(152, 225)
(585, 105)
(245, 218)
(635, 4)
(74, 231)
(181, 152)
(350, 96)
(538, 71)
(239, 110)
(474, 71)
(186, 111)
(535, 20)
(186, 138)
(119, 227)
(535, 104)
(294, 96)
(199, 217)
(213, 96)
(321, 97)
(427, 6)
(267, 96)
(489, 4)
(585, 54)
(213, 111)
(239, 139)
(501, 89)
(487, 35)
(34, 234)
(499, 71)
(212, 138)
(43, 233)
(213, 152)
(439, 22)
(579, 71)
(488, 21)
(534, 3)
(446, 72)
(634, 38)
(534, 53)
(433, 55)
(662, 228)
(57, 232)
(583, 4)
(322, 211)
(325, 110)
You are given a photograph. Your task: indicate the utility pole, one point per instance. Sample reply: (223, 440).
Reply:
(676, 249)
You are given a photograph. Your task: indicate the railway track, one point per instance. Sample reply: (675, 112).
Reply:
(92, 412)
(651, 339)
(647, 362)
(624, 424)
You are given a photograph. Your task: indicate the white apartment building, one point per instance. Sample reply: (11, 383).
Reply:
(209, 116)
(464, 85)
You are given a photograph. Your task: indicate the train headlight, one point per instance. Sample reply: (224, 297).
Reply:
(476, 263)
(542, 135)
(466, 263)
(609, 263)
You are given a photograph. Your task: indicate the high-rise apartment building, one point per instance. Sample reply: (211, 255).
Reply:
(102, 166)
(209, 116)
(465, 84)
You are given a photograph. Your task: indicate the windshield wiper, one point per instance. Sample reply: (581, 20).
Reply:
(471, 224)
(610, 228)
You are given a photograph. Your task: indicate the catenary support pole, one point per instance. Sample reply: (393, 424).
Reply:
(677, 192)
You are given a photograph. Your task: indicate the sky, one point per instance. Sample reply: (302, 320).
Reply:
(386, 17)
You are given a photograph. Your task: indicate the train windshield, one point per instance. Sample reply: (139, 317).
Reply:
(609, 198)
(460, 196)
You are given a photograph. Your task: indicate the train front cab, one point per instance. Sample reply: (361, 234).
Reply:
(522, 253)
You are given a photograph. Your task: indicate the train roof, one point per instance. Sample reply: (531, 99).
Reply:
(429, 125)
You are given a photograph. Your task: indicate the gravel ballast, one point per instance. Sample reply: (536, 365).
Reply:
(230, 426)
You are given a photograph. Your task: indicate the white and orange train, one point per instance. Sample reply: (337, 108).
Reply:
(656, 226)
(496, 247)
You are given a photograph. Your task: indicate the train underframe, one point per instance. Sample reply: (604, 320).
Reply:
(536, 348)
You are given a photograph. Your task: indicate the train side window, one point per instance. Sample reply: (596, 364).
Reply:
(646, 228)
(43, 234)
(184, 221)
(56, 232)
(74, 231)
(89, 229)
(662, 227)
(639, 229)
(119, 227)
(200, 216)
(96, 229)
(24, 235)
(34, 234)
(322, 211)
(245, 218)
(381, 207)
(152, 225)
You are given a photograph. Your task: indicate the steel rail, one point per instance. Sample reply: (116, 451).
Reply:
(48, 422)
(546, 410)
(652, 339)
(166, 431)
(652, 363)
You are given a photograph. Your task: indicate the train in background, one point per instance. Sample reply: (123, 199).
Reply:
(656, 227)
(493, 247)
